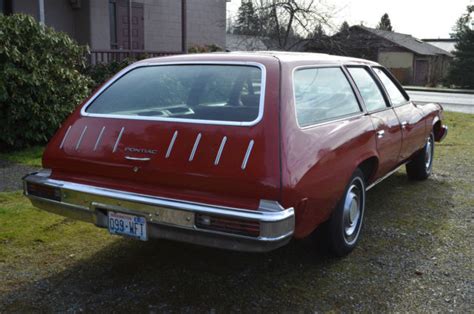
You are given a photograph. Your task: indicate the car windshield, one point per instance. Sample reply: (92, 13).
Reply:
(203, 92)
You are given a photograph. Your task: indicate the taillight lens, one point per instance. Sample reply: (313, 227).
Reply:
(229, 225)
(44, 191)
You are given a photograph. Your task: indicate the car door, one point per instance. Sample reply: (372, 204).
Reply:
(410, 116)
(384, 119)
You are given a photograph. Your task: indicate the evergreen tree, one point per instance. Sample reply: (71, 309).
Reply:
(344, 27)
(385, 23)
(462, 68)
(318, 32)
(247, 21)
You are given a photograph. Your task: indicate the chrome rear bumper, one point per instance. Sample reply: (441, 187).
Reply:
(166, 218)
(442, 133)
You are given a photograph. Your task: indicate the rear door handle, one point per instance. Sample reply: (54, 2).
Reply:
(404, 124)
(137, 158)
(380, 133)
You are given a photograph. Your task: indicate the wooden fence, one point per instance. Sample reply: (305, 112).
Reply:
(107, 56)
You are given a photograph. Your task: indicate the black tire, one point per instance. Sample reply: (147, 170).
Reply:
(346, 221)
(421, 165)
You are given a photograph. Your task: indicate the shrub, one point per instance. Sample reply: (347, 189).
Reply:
(101, 72)
(204, 49)
(40, 80)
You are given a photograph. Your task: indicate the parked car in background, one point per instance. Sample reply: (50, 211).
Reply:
(240, 151)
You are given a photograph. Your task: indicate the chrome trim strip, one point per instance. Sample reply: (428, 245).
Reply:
(247, 154)
(118, 139)
(155, 62)
(196, 144)
(262, 214)
(446, 129)
(137, 158)
(65, 137)
(80, 137)
(99, 138)
(170, 147)
(219, 153)
(383, 178)
(174, 219)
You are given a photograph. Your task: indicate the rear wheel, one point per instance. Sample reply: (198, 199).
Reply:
(346, 221)
(419, 168)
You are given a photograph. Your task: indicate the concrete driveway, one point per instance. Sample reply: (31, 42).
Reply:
(450, 101)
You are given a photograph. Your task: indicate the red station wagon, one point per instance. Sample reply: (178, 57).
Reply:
(241, 151)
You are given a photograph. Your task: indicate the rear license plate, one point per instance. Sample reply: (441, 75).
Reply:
(127, 225)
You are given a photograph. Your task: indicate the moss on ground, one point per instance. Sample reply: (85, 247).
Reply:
(30, 156)
(415, 255)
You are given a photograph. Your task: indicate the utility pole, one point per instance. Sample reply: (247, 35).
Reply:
(41, 12)
(184, 48)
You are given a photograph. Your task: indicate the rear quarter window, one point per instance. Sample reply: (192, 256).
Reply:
(223, 93)
(396, 96)
(370, 92)
(322, 94)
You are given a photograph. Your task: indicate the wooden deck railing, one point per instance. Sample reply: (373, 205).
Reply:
(107, 56)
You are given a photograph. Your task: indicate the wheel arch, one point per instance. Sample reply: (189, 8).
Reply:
(369, 167)
(437, 129)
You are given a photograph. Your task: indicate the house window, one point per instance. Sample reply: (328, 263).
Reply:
(113, 24)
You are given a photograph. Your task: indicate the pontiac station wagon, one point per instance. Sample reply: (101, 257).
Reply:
(240, 151)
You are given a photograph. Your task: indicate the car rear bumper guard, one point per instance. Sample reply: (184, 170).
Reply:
(166, 218)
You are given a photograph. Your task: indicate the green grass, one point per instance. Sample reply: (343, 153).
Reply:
(30, 156)
(409, 225)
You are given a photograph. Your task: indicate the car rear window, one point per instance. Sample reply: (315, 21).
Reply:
(228, 93)
(322, 94)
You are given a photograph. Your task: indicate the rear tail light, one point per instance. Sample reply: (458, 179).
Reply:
(229, 225)
(44, 191)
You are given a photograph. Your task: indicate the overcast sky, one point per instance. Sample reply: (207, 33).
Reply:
(420, 18)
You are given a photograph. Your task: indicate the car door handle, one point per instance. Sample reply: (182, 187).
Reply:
(137, 158)
(404, 124)
(380, 133)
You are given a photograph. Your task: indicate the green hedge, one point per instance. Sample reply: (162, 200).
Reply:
(101, 72)
(40, 80)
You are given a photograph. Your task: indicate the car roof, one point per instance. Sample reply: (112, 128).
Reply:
(291, 56)
(282, 56)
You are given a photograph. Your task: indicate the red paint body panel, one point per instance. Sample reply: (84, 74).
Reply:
(198, 180)
(307, 169)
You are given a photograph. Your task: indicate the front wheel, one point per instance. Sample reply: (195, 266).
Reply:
(419, 168)
(346, 221)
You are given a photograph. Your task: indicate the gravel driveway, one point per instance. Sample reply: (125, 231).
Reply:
(11, 174)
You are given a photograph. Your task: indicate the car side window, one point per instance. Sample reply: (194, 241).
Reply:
(322, 94)
(370, 92)
(393, 92)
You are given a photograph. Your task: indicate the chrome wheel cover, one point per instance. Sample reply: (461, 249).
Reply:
(353, 211)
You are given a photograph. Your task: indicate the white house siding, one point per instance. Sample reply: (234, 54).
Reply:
(206, 22)
(162, 25)
(90, 24)
(26, 6)
(60, 15)
(400, 64)
(396, 59)
(100, 25)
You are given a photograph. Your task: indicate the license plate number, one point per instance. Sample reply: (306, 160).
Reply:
(127, 225)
